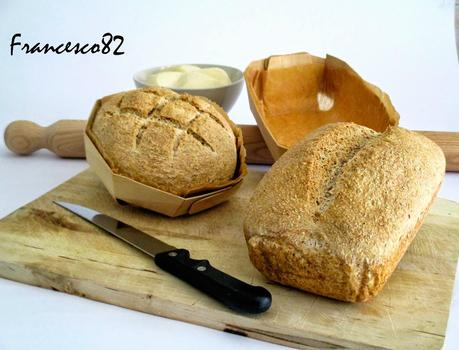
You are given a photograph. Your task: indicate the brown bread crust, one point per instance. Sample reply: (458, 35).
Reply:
(336, 212)
(180, 144)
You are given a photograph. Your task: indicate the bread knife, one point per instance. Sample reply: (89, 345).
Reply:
(231, 292)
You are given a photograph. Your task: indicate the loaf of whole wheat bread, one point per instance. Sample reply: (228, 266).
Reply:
(336, 213)
(177, 143)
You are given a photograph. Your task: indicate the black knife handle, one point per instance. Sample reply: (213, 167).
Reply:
(235, 294)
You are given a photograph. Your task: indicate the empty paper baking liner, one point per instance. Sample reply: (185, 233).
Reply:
(291, 95)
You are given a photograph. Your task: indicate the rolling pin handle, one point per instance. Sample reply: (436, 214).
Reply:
(64, 137)
(24, 137)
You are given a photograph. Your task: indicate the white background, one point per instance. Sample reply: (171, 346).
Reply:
(407, 48)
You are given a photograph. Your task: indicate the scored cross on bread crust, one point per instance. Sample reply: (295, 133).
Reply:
(180, 144)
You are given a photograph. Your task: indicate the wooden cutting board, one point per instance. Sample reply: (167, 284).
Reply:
(44, 245)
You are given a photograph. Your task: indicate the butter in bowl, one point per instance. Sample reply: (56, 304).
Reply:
(188, 76)
(221, 84)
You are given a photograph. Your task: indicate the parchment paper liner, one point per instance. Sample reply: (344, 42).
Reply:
(291, 95)
(141, 195)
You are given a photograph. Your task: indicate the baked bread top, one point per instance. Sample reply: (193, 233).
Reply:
(337, 211)
(180, 144)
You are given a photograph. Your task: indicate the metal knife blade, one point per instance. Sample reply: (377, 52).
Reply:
(230, 291)
(127, 233)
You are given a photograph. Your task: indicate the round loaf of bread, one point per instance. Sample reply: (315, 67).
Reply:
(177, 143)
(337, 211)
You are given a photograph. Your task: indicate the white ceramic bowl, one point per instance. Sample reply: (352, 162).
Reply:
(225, 95)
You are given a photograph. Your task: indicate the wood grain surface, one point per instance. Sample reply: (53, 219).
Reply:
(65, 138)
(44, 245)
(258, 153)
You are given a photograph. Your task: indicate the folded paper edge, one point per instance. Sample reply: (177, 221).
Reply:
(252, 79)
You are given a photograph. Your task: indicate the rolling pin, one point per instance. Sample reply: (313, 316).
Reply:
(65, 138)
